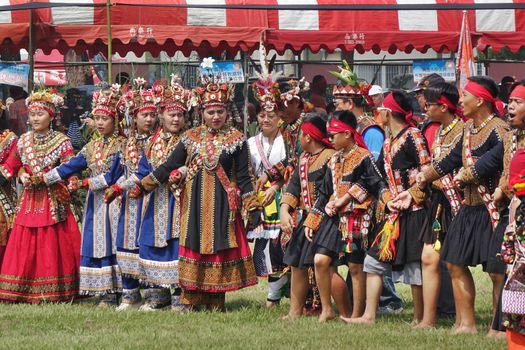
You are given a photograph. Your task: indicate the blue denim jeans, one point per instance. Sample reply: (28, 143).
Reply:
(389, 294)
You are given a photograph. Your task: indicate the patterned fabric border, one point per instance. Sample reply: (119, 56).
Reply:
(97, 281)
(52, 176)
(216, 277)
(129, 264)
(162, 274)
(289, 199)
(157, 296)
(34, 290)
(131, 296)
(97, 183)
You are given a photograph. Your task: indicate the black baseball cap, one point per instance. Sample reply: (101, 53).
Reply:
(427, 81)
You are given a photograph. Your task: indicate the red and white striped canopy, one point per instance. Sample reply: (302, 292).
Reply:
(138, 26)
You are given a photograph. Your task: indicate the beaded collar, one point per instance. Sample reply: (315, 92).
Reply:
(475, 129)
(295, 125)
(446, 130)
(42, 137)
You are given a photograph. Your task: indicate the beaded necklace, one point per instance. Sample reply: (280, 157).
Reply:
(211, 147)
(443, 132)
(475, 129)
(34, 145)
(134, 147)
(102, 148)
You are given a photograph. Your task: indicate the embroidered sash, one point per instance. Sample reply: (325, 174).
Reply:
(303, 176)
(451, 192)
(387, 238)
(448, 187)
(482, 190)
(264, 156)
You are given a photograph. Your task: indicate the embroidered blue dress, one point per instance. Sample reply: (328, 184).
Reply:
(159, 232)
(99, 272)
(130, 215)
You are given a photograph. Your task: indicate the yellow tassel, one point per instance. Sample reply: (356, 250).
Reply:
(388, 234)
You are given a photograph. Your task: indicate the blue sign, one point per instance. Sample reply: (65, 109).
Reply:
(14, 74)
(445, 68)
(228, 71)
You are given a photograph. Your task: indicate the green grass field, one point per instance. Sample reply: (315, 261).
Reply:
(245, 325)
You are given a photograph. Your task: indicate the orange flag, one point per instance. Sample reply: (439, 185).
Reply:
(465, 63)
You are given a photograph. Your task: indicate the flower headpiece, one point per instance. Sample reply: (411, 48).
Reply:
(266, 88)
(139, 99)
(173, 96)
(48, 100)
(212, 91)
(348, 84)
(108, 102)
(295, 89)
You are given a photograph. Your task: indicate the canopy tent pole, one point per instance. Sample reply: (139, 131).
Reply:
(110, 39)
(31, 53)
(246, 91)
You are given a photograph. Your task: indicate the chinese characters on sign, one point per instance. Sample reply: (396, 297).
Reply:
(141, 32)
(231, 72)
(445, 68)
(354, 38)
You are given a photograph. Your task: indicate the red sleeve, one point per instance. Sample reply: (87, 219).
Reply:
(430, 134)
(66, 151)
(12, 164)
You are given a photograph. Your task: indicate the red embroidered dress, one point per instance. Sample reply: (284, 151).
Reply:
(7, 191)
(42, 256)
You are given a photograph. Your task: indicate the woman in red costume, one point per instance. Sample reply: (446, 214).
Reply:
(42, 256)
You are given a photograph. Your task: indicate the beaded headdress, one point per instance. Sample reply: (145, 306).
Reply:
(108, 102)
(348, 84)
(212, 91)
(139, 99)
(296, 87)
(48, 100)
(173, 96)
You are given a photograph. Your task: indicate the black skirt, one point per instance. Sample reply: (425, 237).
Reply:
(409, 245)
(468, 237)
(494, 265)
(327, 241)
(428, 236)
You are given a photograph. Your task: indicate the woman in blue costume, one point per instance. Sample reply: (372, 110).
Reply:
(160, 228)
(142, 108)
(99, 272)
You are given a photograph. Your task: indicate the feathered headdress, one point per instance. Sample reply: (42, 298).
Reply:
(266, 87)
(348, 84)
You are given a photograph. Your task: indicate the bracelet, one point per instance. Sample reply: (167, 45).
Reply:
(117, 189)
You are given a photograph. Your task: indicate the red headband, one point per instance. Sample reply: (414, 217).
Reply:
(146, 108)
(480, 92)
(173, 107)
(104, 110)
(337, 126)
(455, 109)
(390, 103)
(519, 92)
(445, 101)
(311, 130)
(40, 105)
